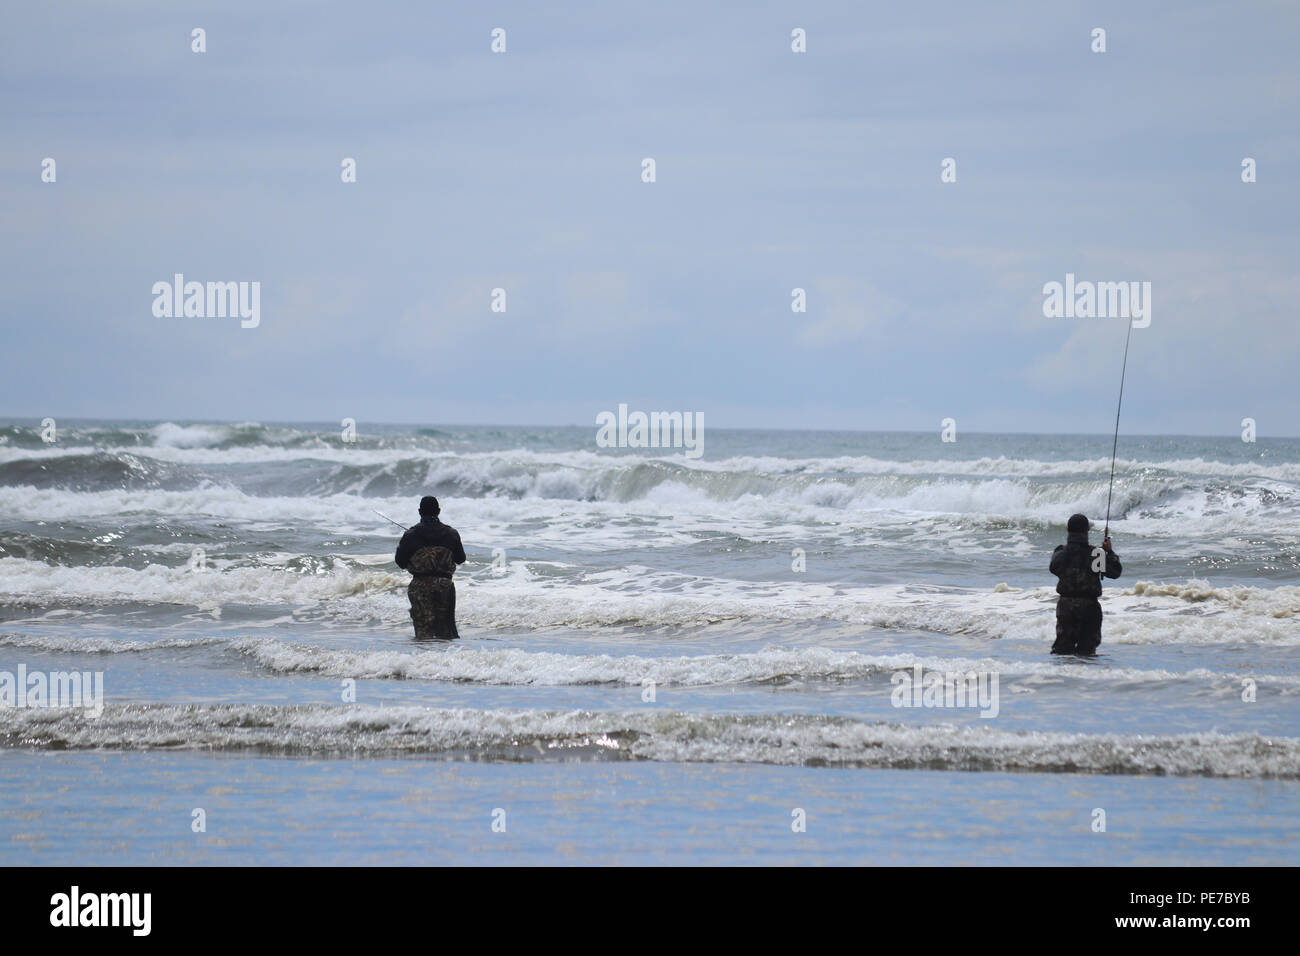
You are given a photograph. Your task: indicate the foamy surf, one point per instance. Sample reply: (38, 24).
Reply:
(533, 735)
(348, 589)
(772, 664)
(517, 667)
(243, 566)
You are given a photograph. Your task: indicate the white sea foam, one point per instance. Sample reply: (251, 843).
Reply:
(787, 739)
(772, 664)
(1027, 490)
(517, 667)
(523, 597)
(196, 444)
(171, 435)
(63, 644)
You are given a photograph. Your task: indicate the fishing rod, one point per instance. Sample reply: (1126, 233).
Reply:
(1115, 444)
(386, 518)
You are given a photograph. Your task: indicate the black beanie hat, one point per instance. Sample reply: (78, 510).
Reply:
(429, 505)
(1077, 523)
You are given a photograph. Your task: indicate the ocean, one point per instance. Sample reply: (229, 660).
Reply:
(664, 659)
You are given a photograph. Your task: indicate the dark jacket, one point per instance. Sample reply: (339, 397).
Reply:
(429, 533)
(1072, 563)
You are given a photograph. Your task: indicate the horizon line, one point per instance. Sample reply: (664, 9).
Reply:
(742, 428)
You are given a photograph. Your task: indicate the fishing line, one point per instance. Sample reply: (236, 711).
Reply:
(1115, 444)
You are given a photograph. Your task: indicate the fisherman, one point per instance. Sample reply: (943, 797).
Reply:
(1078, 609)
(430, 551)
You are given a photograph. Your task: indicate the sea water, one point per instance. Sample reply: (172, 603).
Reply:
(664, 659)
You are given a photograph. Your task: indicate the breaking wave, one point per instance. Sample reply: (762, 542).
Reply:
(1191, 613)
(516, 667)
(534, 735)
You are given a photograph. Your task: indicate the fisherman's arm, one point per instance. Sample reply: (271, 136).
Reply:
(459, 553)
(403, 553)
(1113, 567)
(1058, 560)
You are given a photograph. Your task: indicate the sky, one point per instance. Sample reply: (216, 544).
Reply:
(774, 170)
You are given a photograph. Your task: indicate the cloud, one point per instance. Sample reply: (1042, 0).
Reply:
(846, 309)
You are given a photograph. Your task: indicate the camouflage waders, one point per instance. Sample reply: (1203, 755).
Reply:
(432, 594)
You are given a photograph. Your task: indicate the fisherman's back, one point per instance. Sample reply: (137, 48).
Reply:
(1078, 608)
(430, 551)
(429, 533)
(1073, 566)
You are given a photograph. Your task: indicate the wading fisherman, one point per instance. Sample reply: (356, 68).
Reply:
(430, 551)
(1079, 570)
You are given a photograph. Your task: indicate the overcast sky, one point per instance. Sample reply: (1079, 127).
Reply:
(775, 170)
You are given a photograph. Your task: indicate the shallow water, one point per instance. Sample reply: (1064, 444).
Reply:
(384, 811)
(644, 647)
